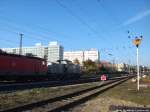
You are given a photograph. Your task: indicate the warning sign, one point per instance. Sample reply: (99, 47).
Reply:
(103, 77)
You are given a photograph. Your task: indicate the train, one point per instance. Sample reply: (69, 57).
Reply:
(23, 68)
(64, 69)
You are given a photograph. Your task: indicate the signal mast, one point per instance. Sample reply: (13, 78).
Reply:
(137, 41)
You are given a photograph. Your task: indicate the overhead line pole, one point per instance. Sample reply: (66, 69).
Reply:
(20, 48)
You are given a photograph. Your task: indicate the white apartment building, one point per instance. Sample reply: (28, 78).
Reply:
(52, 52)
(73, 55)
(92, 55)
(81, 55)
(121, 67)
(55, 52)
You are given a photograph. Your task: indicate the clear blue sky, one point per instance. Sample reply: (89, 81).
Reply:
(79, 25)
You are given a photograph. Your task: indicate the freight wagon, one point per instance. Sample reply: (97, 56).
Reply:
(18, 67)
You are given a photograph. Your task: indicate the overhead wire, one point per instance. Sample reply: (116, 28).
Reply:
(78, 18)
(115, 20)
(15, 26)
(87, 25)
(28, 35)
(7, 42)
(83, 11)
(43, 37)
(31, 34)
(54, 32)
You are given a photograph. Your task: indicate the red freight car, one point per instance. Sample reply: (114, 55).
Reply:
(20, 67)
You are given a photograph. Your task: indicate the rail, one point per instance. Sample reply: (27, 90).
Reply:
(77, 98)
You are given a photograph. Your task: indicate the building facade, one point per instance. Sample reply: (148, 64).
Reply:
(92, 55)
(121, 67)
(82, 55)
(73, 55)
(55, 52)
(52, 52)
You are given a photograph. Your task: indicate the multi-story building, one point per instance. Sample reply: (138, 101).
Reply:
(52, 52)
(73, 55)
(55, 52)
(82, 55)
(92, 55)
(121, 67)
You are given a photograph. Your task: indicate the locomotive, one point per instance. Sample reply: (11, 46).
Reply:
(64, 69)
(19, 67)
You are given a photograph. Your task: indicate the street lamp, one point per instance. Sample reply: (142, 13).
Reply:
(137, 42)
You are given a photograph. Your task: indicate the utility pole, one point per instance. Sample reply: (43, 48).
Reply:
(143, 70)
(137, 42)
(20, 48)
(129, 66)
(113, 62)
(114, 65)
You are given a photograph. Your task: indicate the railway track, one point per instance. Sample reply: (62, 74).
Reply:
(11, 87)
(66, 102)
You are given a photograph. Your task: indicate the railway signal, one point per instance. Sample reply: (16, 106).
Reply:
(137, 42)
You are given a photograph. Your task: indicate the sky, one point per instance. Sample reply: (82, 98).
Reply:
(79, 25)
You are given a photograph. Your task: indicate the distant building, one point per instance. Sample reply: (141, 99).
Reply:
(82, 55)
(52, 52)
(92, 55)
(121, 67)
(74, 55)
(55, 52)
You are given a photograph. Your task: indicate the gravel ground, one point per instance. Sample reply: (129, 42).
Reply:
(122, 95)
(102, 105)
